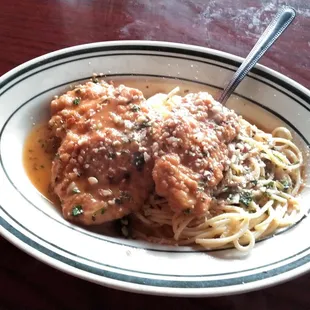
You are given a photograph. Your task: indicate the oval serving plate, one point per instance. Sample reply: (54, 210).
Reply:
(30, 222)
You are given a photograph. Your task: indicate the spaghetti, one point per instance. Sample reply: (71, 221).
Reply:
(255, 198)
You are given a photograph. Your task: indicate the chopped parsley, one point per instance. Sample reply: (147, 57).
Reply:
(206, 178)
(138, 161)
(135, 108)
(125, 196)
(144, 124)
(77, 210)
(102, 211)
(76, 190)
(201, 186)
(95, 80)
(111, 155)
(118, 201)
(270, 185)
(254, 182)
(286, 185)
(246, 198)
(187, 211)
(77, 101)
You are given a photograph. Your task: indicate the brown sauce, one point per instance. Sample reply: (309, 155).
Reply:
(37, 157)
(38, 160)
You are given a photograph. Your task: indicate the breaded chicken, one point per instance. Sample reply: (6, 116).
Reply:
(101, 171)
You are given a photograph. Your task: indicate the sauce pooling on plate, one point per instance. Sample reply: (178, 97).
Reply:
(185, 165)
(38, 156)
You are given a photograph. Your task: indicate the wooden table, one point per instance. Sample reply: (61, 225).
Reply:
(34, 27)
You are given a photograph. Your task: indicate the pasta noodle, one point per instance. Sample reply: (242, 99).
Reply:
(255, 198)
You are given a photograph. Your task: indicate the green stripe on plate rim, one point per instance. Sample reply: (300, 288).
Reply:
(146, 281)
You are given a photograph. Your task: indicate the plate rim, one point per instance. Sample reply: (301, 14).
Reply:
(127, 285)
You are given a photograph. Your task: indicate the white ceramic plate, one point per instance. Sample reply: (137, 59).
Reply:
(31, 223)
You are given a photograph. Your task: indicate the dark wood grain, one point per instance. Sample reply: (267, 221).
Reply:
(34, 27)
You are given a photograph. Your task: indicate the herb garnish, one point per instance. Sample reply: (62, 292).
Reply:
(76, 190)
(77, 210)
(144, 124)
(138, 161)
(125, 196)
(187, 211)
(286, 185)
(201, 186)
(135, 108)
(246, 198)
(118, 201)
(206, 178)
(111, 155)
(76, 101)
(270, 185)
